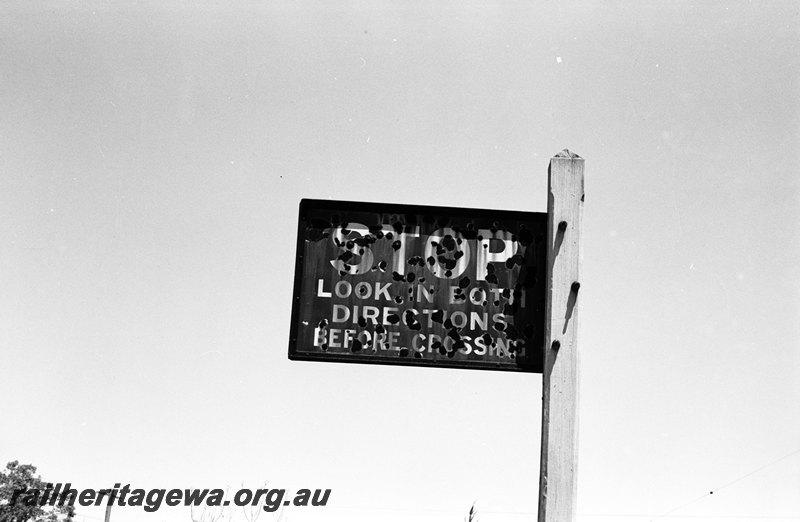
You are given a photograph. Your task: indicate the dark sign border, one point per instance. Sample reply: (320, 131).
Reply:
(533, 365)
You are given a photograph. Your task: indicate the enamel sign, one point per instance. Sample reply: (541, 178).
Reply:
(419, 285)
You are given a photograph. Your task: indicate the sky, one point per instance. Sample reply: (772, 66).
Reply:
(152, 161)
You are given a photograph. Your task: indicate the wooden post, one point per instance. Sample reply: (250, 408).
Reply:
(559, 457)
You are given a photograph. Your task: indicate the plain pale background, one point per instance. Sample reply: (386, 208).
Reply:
(152, 158)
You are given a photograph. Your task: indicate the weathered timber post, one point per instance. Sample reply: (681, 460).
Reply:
(559, 457)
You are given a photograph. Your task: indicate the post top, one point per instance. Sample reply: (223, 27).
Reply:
(567, 154)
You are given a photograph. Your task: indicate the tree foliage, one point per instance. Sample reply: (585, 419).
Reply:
(26, 507)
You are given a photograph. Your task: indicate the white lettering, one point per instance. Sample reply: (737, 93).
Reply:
(437, 269)
(484, 256)
(320, 291)
(340, 309)
(342, 289)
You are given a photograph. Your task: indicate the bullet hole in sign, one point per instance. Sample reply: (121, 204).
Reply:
(447, 262)
(525, 236)
(511, 332)
(411, 320)
(448, 242)
(516, 259)
(490, 275)
(453, 334)
(365, 241)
